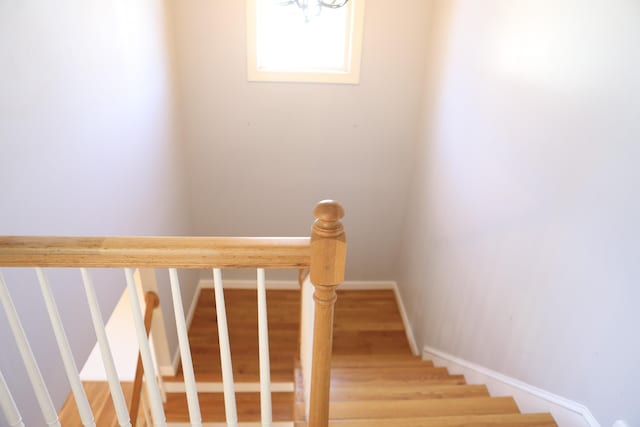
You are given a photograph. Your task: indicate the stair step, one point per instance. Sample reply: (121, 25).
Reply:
(212, 407)
(218, 387)
(374, 409)
(406, 392)
(500, 420)
(395, 375)
(351, 361)
(280, 375)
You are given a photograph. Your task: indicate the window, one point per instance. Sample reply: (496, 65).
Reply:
(285, 45)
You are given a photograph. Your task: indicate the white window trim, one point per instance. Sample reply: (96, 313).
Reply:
(351, 77)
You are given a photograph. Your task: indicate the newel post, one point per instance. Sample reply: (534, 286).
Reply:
(328, 254)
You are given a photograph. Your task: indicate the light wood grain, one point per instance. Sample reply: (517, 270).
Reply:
(283, 307)
(422, 407)
(212, 407)
(377, 361)
(500, 420)
(362, 375)
(99, 397)
(390, 375)
(376, 381)
(406, 391)
(155, 252)
(328, 257)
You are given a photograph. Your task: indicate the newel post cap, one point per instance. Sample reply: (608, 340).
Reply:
(328, 211)
(328, 245)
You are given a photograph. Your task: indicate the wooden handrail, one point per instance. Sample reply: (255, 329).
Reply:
(323, 253)
(155, 252)
(328, 255)
(151, 303)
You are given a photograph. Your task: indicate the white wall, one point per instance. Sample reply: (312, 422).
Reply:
(262, 154)
(521, 241)
(87, 147)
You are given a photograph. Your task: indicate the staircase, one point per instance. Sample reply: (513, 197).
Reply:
(284, 314)
(403, 391)
(368, 377)
(375, 379)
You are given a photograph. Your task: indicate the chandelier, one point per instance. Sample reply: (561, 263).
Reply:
(311, 8)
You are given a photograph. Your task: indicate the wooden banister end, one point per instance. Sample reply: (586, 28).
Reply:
(328, 211)
(328, 256)
(328, 245)
(151, 299)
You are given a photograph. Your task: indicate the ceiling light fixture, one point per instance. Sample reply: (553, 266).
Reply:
(311, 8)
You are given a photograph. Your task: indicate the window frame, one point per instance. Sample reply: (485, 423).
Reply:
(254, 74)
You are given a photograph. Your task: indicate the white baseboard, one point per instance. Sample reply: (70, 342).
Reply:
(405, 321)
(567, 413)
(192, 306)
(166, 371)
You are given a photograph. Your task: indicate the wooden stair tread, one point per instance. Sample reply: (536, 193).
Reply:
(212, 407)
(501, 420)
(216, 377)
(376, 381)
(283, 307)
(406, 392)
(368, 361)
(393, 375)
(422, 408)
(386, 383)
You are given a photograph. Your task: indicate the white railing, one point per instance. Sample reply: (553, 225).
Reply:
(307, 314)
(323, 254)
(8, 405)
(185, 351)
(117, 395)
(33, 371)
(230, 410)
(65, 351)
(263, 337)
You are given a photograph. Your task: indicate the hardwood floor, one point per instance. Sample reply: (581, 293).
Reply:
(212, 407)
(102, 407)
(360, 329)
(368, 322)
(374, 327)
(242, 307)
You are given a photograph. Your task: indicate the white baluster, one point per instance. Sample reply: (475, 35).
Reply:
(119, 402)
(185, 352)
(225, 351)
(37, 382)
(8, 405)
(84, 409)
(263, 341)
(155, 399)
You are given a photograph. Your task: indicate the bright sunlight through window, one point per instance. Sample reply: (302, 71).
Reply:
(285, 44)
